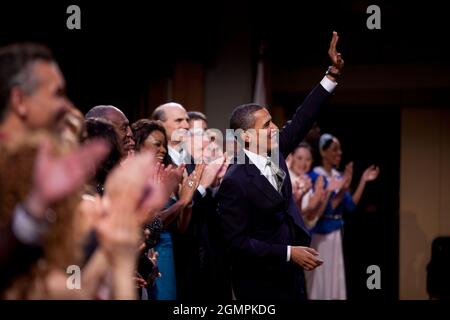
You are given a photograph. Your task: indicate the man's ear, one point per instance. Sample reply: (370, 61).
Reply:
(17, 102)
(245, 136)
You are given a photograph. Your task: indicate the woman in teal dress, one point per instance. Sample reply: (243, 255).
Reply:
(151, 136)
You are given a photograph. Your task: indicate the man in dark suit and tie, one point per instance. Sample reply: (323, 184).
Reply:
(261, 224)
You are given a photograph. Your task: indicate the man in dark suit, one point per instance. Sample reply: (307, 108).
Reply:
(262, 226)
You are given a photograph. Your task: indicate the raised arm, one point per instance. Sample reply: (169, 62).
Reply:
(296, 129)
(370, 174)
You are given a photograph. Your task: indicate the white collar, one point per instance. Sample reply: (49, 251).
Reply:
(258, 160)
(321, 171)
(176, 156)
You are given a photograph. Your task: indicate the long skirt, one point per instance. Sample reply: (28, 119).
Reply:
(327, 282)
(165, 286)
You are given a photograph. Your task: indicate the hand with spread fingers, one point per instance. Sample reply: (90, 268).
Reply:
(371, 173)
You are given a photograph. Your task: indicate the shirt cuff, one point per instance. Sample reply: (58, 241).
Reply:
(327, 84)
(202, 190)
(27, 229)
(288, 253)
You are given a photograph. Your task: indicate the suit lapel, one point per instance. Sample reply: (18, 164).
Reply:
(190, 168)
(287, 181)
(269, 191)
(261, 182)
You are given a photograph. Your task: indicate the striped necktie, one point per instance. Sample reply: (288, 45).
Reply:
(279, 173)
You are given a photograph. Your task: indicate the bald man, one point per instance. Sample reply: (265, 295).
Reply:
(120, 123)
(176, 122)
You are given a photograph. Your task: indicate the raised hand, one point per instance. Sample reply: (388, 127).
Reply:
(118, 231)
(140, 282)
(125, 190)
(319, 189)
(129, 186)
(190, 184)
(335, 56)
(370, 174)
(335, 184)
(56, 177)
(320, 183)
(305, 183)
(224, 168)
(320, 193)
(301, 186)
(211, 171)
(171, 177)
(162, 183)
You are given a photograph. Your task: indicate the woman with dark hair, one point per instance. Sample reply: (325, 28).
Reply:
(101, 128)
(328, 280)
(151, 136)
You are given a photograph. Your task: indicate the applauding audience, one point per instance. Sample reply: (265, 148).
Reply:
(154, 210)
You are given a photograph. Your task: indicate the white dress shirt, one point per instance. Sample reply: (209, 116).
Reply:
(178, 157)
(261, 163)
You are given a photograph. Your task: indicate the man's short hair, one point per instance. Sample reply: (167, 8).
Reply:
(197, 115)
(159, 114)
(16, 61)
(242, 116)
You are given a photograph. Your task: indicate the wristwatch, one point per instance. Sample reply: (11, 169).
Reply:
(331, 73)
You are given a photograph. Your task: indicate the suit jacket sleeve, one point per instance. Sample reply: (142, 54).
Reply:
(15, 257)
(298, 127)
(234, 216)
(197, 197)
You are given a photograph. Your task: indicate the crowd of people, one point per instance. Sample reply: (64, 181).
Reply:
(156, 209)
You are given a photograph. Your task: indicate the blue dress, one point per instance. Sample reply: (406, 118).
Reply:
(165, 286)
(327, 282)
(332, 219)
